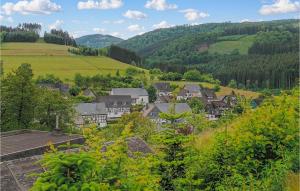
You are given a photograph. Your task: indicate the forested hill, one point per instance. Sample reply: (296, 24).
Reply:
(98, 40)
(255, 54)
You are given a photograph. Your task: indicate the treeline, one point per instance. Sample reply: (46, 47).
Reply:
(59, 37)
(124, 55)
(273, 42)
(87, 51)
(26, 32)
(30, 32)
(255, 71)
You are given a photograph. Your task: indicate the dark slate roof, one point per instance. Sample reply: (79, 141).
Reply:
(192, 88)
(20, 144)
(15, 174)
(162, 86)
(133, 92)
(91, 108)
(179, 107)
(115, 101)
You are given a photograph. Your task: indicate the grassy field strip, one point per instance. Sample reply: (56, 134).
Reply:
(227, 46)
(65, 67)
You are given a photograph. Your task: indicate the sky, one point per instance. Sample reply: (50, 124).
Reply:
(127, 18)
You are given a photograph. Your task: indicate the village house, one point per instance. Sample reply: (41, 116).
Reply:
(91, 113)
(189, 91)
(208, 94)
(155, 109)
(215, 109)
(163, 89)
(139, 96)
(116, 105)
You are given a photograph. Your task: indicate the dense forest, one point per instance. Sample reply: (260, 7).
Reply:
(59, 37)
(26, 32)
(270, 62)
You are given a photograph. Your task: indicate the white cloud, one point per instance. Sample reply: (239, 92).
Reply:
(30, 7)
(134, 28)
(99, 30)
(132, 14)
(6, 19)
(162, 24)
(280, 6)
(160, 5)
(99, 4)
(245, 20)
(56, 25)
(193, 14)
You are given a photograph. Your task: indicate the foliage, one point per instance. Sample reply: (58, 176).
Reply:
(110, 169)
(152, 93)
(25, 32)
(272, 42)
(74, 90)
(232, 84)
(22, 103)
(48, 79)
(59, 37)
(171, 76)
(52, 103)
(85, 51)
(17, 99)
(255, 153)
(124, 55)
(196, 105)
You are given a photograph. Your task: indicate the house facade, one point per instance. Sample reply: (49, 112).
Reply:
(189, 91)
(88, 113)
(116, 105)
(138, 95)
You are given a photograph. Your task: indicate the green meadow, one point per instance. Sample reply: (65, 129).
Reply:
(230, 43)
(55, 59)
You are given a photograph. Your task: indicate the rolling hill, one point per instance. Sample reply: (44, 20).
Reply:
(98, 40)
(55, 59)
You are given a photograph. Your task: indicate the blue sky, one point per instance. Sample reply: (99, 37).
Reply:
(126, 18)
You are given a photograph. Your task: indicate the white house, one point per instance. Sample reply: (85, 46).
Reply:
(138, 95)
(116, 105)
(88, 113)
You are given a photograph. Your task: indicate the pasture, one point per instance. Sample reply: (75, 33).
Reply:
(230, 43)
(55, 59)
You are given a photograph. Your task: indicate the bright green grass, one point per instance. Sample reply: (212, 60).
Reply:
(55, 59)
(226, 47)
(39, 48)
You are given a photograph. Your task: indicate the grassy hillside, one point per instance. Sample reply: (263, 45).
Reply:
(228, 44)
(33, 49)
(55, 59)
